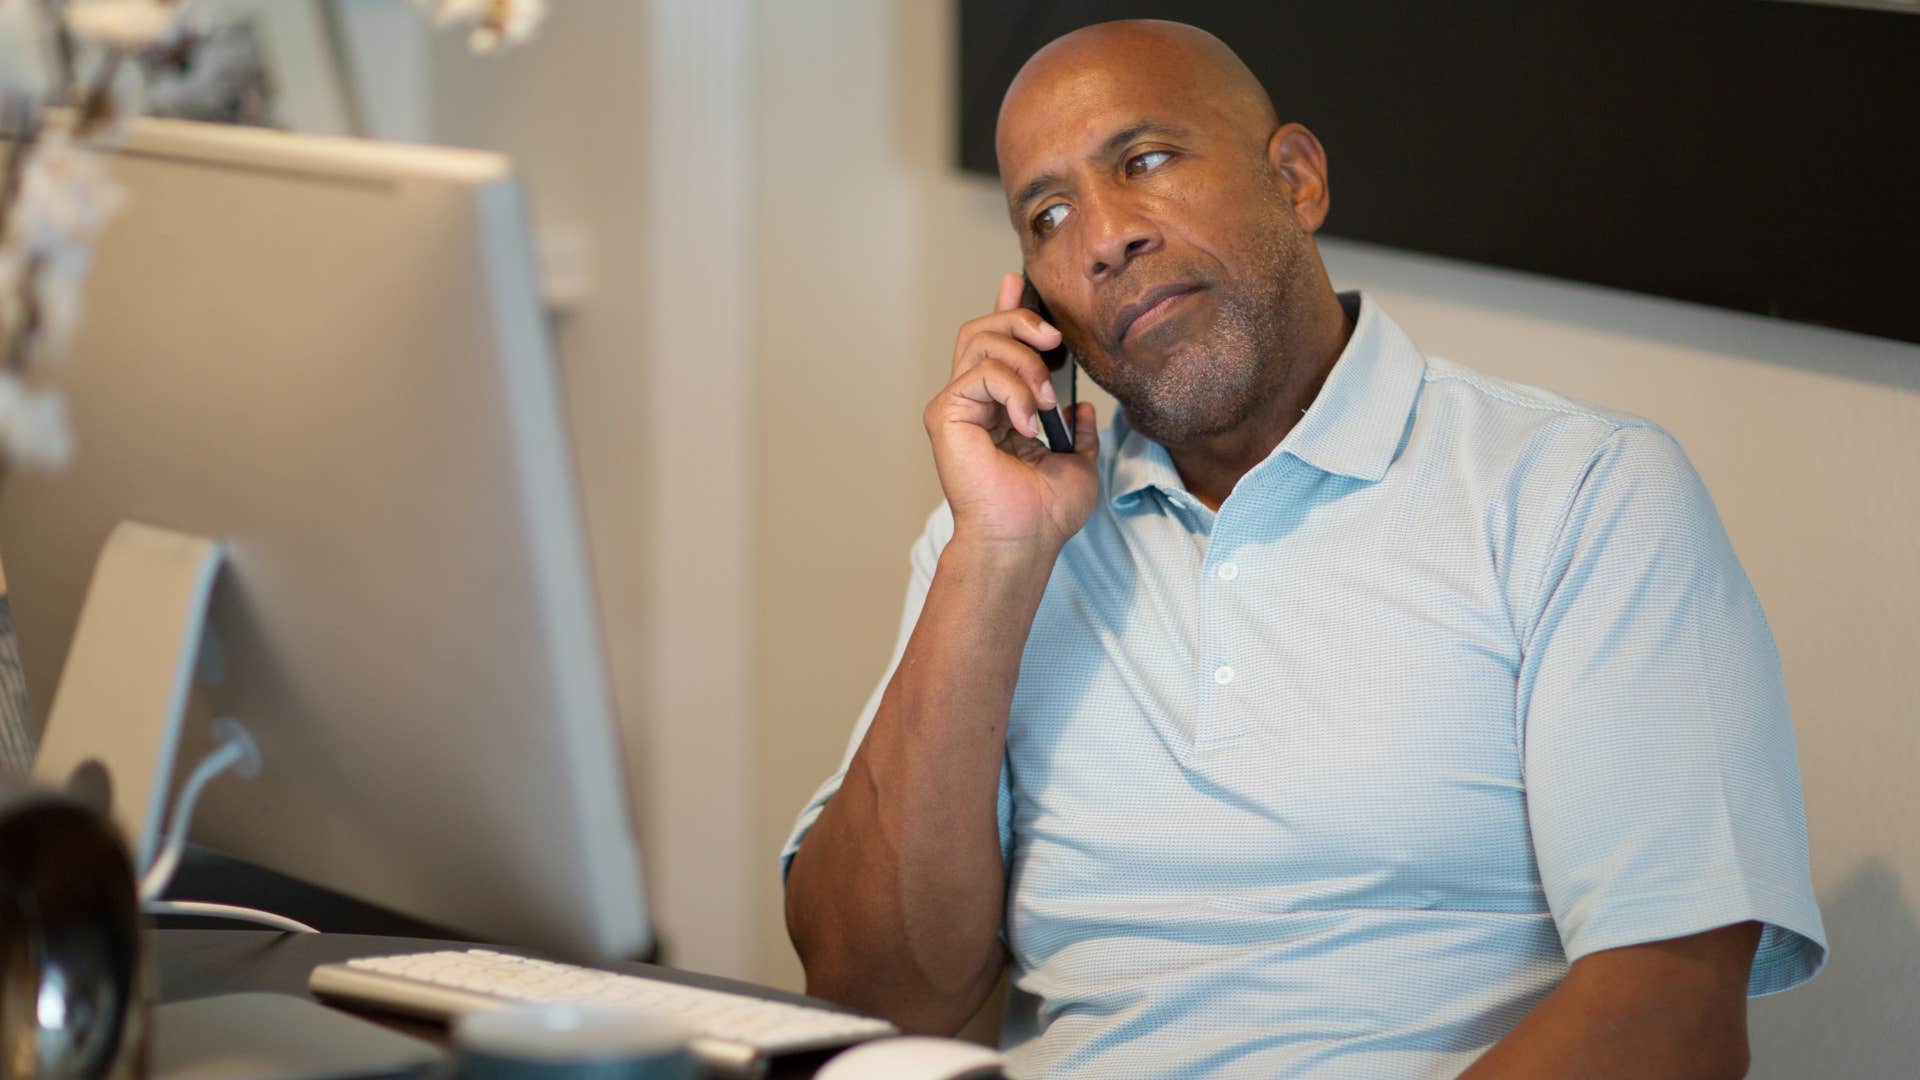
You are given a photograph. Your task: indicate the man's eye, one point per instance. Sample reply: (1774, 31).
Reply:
(1147, 162)
(1048, 220)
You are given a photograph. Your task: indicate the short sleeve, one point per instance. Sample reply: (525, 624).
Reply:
(1663, 788)
(924, 558)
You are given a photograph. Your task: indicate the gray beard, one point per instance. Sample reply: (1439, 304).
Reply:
(1213, 384)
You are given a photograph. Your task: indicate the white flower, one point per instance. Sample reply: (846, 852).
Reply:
(64, 201)
(65, 197)
(495, 22)
(33, 425)
(131, 25)
(511, 23)
(58, 288)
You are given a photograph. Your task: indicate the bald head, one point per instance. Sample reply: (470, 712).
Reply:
(1166, 218)
(1187, 69)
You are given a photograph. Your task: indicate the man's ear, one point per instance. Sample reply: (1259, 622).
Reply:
(1300, 163)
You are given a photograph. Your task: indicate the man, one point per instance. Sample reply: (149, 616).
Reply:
(1338, 711)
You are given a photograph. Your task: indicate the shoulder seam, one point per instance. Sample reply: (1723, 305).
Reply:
(1612, 423)
(1537, 579)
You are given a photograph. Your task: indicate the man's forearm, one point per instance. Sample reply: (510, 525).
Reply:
(895, 898)
(1667, 1009)
(1568, 1035)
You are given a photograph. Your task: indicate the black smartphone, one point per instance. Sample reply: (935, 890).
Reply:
(1059, 361)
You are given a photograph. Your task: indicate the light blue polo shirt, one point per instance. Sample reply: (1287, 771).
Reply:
(1461, 684)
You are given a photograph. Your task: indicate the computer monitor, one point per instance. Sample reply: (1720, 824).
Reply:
(331, 355)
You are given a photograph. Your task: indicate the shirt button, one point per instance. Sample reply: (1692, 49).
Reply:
(1228, 571)
(1223, 674)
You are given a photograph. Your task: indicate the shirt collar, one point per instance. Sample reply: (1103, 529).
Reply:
(1353, 428)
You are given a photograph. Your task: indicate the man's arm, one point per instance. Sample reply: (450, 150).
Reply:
(1661, 785)
(895, 896)
(1673, 1008)
(894, 899)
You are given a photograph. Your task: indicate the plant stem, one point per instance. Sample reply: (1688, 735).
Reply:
(99, 106)
(20, 343)
(63, 50)
(22, 122)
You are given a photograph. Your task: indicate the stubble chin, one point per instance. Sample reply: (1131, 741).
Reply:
(1182, 401)
(1217, 380)
(1202, 388)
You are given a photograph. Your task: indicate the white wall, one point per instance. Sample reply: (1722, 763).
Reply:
(842, 208)
(631, 123)
(873, 251)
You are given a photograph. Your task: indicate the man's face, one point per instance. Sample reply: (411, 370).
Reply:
(1124, 183)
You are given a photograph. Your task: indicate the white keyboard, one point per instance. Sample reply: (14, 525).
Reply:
(733, 1033)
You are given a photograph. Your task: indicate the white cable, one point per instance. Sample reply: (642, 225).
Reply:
(237, 750)
(227, 911)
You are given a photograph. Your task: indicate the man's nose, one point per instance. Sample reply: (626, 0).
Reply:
(1116, 233)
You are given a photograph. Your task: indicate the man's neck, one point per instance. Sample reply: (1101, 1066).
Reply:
(1211, 466)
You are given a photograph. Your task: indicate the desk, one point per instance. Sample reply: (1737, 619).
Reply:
(201, 963)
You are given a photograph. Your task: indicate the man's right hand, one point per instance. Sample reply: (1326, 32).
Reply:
(895, 897)
(1006, 489)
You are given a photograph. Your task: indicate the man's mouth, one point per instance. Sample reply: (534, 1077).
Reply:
(1153, 306)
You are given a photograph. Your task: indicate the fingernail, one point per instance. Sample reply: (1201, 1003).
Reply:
(1047, 397)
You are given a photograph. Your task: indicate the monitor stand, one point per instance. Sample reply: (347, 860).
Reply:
(114, 723)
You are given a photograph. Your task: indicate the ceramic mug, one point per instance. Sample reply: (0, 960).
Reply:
(73, 973)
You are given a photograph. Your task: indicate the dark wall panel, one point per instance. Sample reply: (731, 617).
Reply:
(1751, 154)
